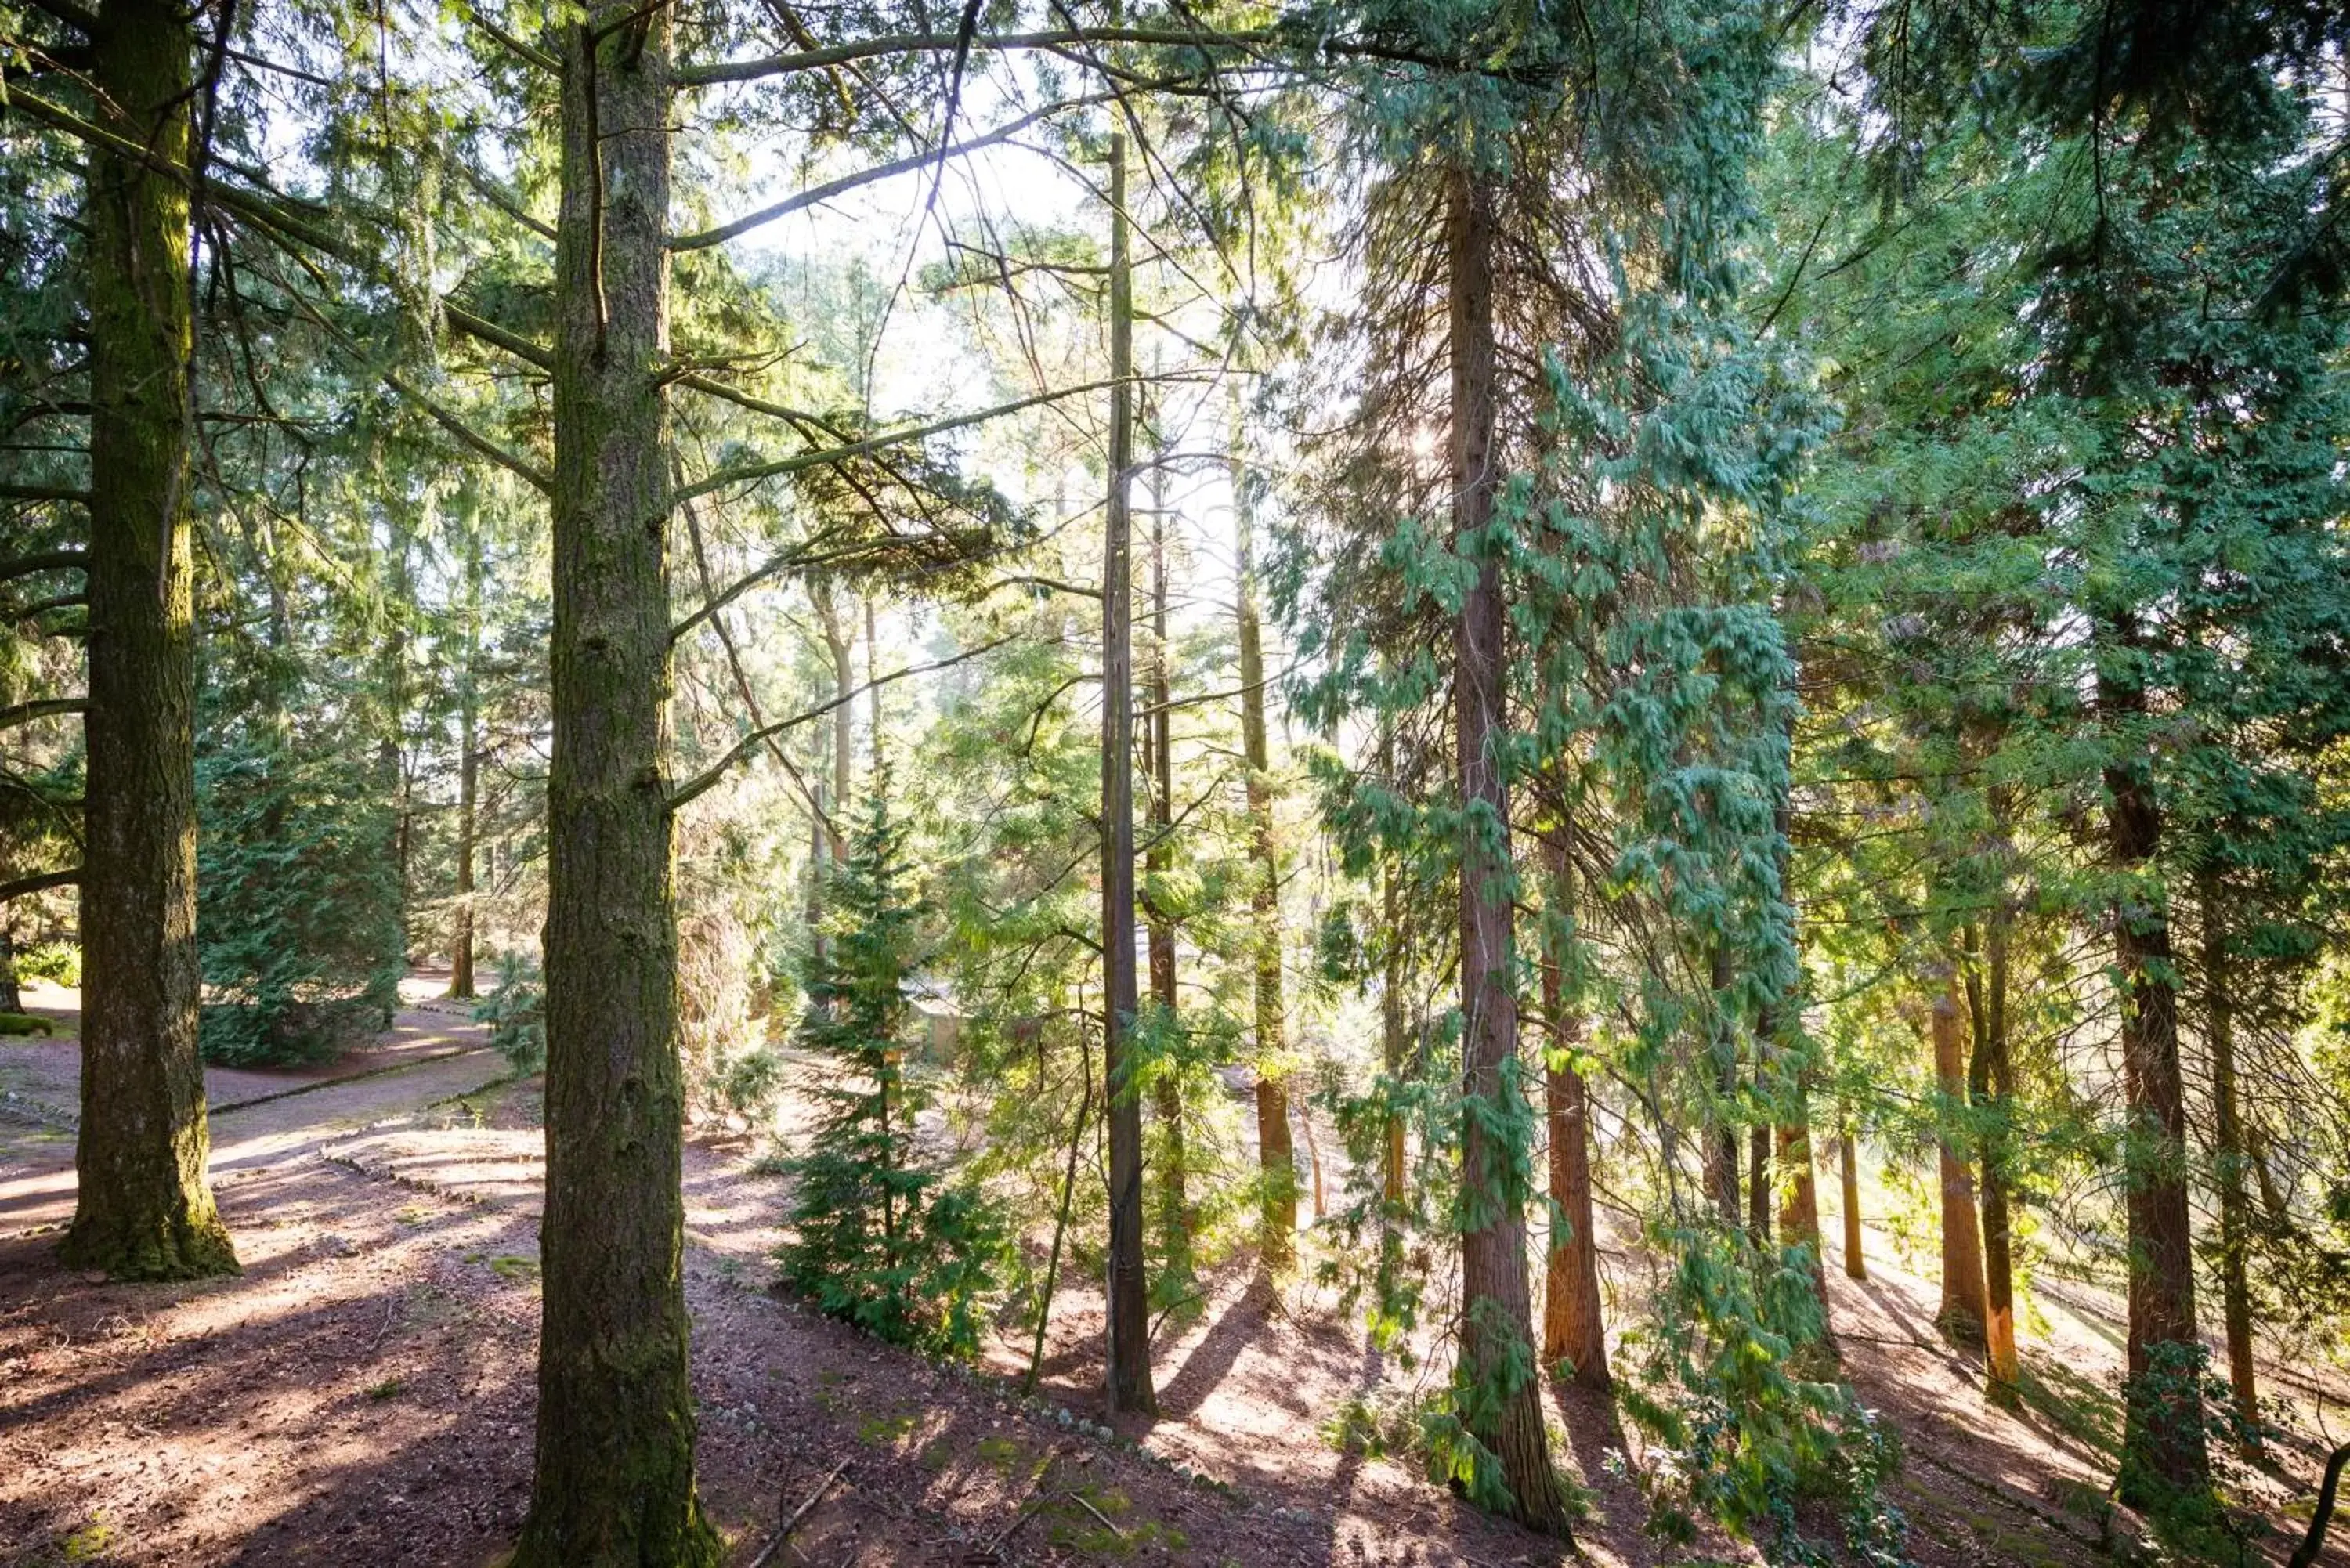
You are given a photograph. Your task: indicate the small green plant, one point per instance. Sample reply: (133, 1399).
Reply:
(90, 1543)
(510, 1266)
(516, 1015)
(390, 1389)
(59, 963)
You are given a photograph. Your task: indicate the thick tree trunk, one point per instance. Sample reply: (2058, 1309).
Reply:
(1498, 1398)
(142, 1211)
(1991, 1086)
(2164, 1455)
(1276, 1155)
(2235, 1208)
(468, 770)
(1963, 1309)
(613, 1486)
(1856, 1263)
(1175, 1204)
(12, 998)
(1574, 1327)
(1130, 1308)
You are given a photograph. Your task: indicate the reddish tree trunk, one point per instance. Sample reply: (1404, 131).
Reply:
(1963, 1309)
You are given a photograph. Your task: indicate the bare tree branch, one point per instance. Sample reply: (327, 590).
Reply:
(41, 883)
(41, 708)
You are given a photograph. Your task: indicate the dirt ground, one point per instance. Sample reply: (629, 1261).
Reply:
(363, 1393)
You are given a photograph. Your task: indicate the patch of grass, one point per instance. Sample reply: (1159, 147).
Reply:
(390, 1389)
(414, 1214)
(880, 1429)
(513, 1266)
(1004, 1454)
(90, 1543)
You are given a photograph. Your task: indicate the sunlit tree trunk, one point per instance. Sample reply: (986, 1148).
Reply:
(613, 1484)
(142, 1208)
(1499, 1396)
(1990, 1087)
(1574, 1327)
(1130, 1311)
(1856, 1263)
(469, 768)
(1962, 1311)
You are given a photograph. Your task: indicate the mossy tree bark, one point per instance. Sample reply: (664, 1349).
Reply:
(1497, 1389)
(1276, 1153)
(613, 1486)
(143, 1209)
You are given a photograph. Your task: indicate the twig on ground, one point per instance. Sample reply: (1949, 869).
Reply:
(797, 1514)
(1098, 1513)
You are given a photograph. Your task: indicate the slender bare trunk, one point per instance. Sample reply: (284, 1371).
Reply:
(142, 1209)
(2235, 1208)
(1175, 1204)
(1130, 1310)
(1855, 1264)
(1989, 1088)
(1574, 1325)
(1499, 1398)
(462, 982)
(1276, 1157)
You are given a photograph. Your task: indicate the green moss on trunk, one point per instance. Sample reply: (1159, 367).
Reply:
(143, 1210)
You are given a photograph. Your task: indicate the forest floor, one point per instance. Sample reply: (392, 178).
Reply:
(363, 1393)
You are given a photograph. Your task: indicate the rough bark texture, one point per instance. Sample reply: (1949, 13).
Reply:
(12, 998)
(1574, 1327)
(1130, 1308)
(1991, 1086)
(1855, 1264)
(2235, 1208)
(613, 1486)
(1499, 1392)
(2163, 1450)
(142, 1211)
(1962, 1311)
(1276, 1155)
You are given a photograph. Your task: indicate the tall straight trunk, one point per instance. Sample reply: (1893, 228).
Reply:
(1159, 730)
(11, 997)
(2163, 1450)
(1391, 1045)
(1990, 1088)
(1962, 1309)
(613, 1485)
(2235, 1207)
(841, 647)
(873, 688)
(1855, 1264)
(1276, 1157)
(1498, 1395)
(142, 1209)
(1758, 1181)
(1574, 1327)
(469, 769)
(1129, 1309)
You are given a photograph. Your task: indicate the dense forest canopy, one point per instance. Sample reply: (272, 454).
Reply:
(1447, 654)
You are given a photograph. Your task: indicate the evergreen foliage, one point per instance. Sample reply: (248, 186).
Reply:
(299, 906)
(880, 1236)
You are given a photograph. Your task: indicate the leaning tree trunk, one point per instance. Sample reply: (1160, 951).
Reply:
(614, 1481)
(1276, 1157)
(1498, 1395)
(142, 1211)
(2164, 1456)
(1574, 1327)
(2235, 1206)
(1962, 1311)
(1130, 1307)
